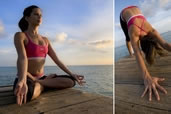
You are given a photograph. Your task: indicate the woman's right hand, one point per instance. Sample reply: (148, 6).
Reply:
(79, 79)
(151, 83)
(21, 92)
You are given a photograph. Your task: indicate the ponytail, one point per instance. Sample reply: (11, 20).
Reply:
(151, 49)
(23, 24)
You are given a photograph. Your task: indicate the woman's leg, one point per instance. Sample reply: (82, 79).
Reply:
(38, 88)
(52, 81)
(59, 82)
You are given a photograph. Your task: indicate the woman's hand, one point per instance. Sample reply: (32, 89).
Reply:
(79, 79)
(151, 83)
(21, 92)
(31, 77)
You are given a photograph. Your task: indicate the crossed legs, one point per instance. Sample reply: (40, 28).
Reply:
(50, 81)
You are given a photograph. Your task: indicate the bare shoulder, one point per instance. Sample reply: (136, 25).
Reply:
(46, 39)
(19, 36)
(134, 33)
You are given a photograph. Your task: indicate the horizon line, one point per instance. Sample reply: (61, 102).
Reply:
(70, 65)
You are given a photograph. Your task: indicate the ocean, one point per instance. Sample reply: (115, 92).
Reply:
(99, 78)
(122, 51)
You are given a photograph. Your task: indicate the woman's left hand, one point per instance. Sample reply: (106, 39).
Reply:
(79, 79)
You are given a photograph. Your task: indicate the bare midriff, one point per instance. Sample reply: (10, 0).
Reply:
(36, 67)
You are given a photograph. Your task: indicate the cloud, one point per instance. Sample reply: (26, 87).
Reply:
(163, 25)
(96, 27)
(7, 51)
(74, 42)
(157, 13)
(59, 38)
(102, 43)
(152, 7)
(2, 31)
(90, 38)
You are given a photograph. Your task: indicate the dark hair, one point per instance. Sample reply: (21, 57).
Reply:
(23, 24)
(151, 48)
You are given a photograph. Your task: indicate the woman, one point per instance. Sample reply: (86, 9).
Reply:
(138, 33)
(32, 49)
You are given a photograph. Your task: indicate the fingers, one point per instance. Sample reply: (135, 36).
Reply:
(161, 79)
(21, 99)
(25, 98)
(80, 82)
(19, 95)
(145, 91)
(156, 92)
(150, 93)
(152, 84)
(18, 99)
(83, 81)
(17, 89)
(80, 77)
(161, 88)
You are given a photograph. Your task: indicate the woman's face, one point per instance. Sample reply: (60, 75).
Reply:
(35, 17)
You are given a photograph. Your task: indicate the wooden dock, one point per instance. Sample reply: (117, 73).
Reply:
(129, 87)
(67, 101)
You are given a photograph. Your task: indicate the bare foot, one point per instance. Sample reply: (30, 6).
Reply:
(37, 90)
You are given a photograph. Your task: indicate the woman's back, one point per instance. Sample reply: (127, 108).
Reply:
(127, 13)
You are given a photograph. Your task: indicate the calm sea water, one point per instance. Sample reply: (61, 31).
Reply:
(122, 51)
(99, 79)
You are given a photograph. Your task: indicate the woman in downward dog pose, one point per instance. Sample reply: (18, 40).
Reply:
(32, 49)
(139, 33)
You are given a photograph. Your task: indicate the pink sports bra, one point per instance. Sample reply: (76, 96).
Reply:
(132, 19)
(35, 51)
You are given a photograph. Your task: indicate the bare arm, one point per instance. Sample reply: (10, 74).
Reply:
(139, 58)
(129, 47)
(54, 57)
(22, 61)
(151, 83)
(160, 40)
(21, 87)
(31, 76)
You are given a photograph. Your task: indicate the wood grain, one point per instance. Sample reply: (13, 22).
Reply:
(67, 101)
(129, 87)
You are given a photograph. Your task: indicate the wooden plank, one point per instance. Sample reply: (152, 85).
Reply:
(68, 101)
(89, 107)
(7, 100)
(128, 97)
(7, 93)
(5, 88)
(129, 87)
(123, 107)
(128, 72)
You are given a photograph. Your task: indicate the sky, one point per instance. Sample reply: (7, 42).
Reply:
(80, 31)
(157, 13)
